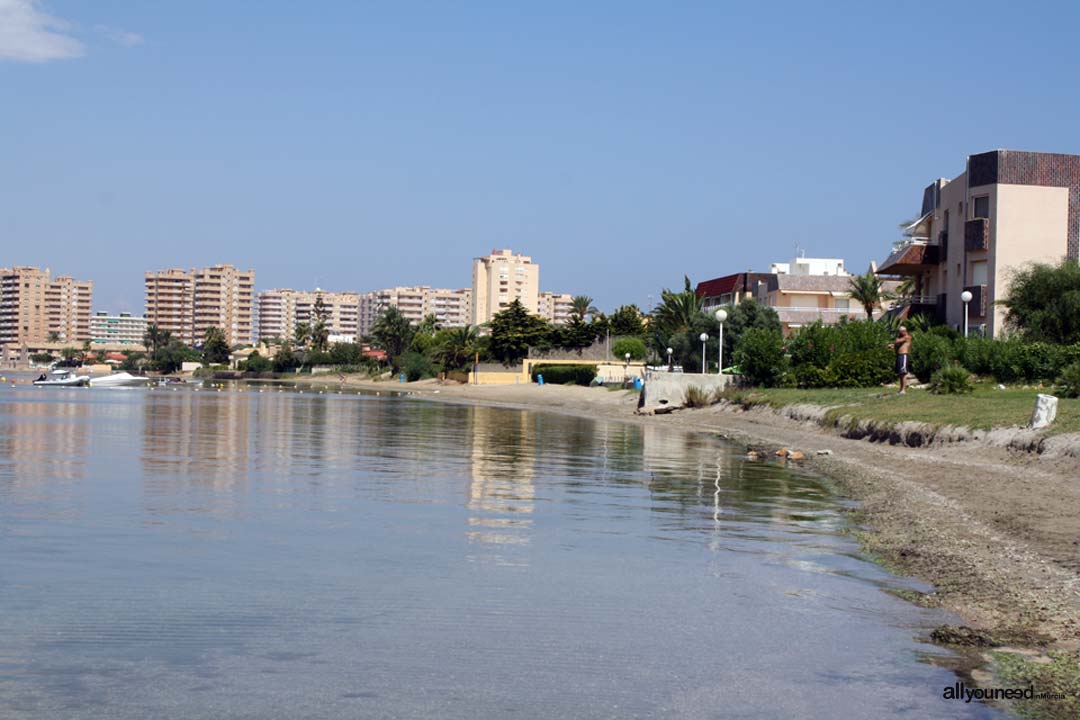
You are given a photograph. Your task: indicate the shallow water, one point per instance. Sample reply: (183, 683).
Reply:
(277, 555)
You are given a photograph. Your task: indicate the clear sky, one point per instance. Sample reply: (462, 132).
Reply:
(358, 145)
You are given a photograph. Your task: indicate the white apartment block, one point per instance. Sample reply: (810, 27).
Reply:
(499, 279)
(451, 308)
(556, 308)
(282, 310)
(188, 303)
(121, 329)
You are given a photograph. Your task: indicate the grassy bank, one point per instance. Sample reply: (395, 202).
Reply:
(988, 407)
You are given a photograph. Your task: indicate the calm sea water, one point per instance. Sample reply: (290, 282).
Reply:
(280, 555)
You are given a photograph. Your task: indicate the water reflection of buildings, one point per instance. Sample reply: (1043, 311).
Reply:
(43, 441)
(502, 489)
(196, 440)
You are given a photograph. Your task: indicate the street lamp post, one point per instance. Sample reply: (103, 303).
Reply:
(966, 297)
(670, 361)
(703, 337)
(627, 371)
(721, 316)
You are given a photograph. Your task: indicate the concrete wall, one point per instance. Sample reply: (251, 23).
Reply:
(1030, 224)
(668, 390)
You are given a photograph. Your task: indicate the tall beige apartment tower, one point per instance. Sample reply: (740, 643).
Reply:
(34, 307)
(499, 279)
(282, 310)
(451, 308)
(188, 303)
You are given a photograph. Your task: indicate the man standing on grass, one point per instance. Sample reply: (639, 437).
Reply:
(902, 347)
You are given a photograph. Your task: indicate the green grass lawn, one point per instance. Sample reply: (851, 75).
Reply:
(985, 408)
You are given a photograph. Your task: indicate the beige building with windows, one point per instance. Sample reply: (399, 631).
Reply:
(35, 307)
(188, 303)
(500, 278)
(556, 308)
(1006, 210)
(451, 308)
(282, 310)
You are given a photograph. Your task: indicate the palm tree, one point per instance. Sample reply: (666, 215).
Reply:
(865, 289)
(302, 334)
(581, 305)
(457, 347)
(155, 338)
(676, 311)
(393, 333)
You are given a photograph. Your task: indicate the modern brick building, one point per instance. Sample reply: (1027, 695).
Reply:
(188, 303)
(1006, 210)
(451, 308)
(556, 308)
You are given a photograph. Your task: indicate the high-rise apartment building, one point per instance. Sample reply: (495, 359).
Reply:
(556, 308)
(36, 308)
(1007, 209)
(500, 278)
(451, 308)
(282, 310)
(188, 303)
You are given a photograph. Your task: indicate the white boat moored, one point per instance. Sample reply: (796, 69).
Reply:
(62, 377)
(119, 380)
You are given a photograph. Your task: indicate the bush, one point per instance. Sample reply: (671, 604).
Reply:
(929, 353)
(760, 356)
(255, 363)
(634, 346)
(849, 354)
(1068, 384)
(565, 374)
(951, 380)
(697, 398)
(416, 366)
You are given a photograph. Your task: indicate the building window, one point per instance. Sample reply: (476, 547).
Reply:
(978, 273)
(980, 207)
(842, 304)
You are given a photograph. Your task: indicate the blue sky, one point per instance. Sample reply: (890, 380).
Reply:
(361, 145)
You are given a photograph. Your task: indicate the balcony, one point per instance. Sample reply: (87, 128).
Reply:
(911, 258)
(977, 306)
(977, 234)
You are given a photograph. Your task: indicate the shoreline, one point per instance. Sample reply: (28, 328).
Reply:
(996, 532)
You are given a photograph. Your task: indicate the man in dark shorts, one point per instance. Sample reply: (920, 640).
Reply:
(902, 347)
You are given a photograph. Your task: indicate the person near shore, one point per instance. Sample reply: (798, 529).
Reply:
(902, 345)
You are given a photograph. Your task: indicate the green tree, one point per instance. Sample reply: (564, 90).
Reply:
(676, 312)
(634, 346)
(580, 306)
(514, 331)
(1043, 303)
(455, 347)
(155, 338)
(54, 337)
(865, 289)
(393, 333)
(70, 357)
(743, 316)
(302, 335)
(320, 332)
(627, 320)
(256, 363)
(286, 359)
(429, 325)
(171, 357)
(215, 349)
(760, 356)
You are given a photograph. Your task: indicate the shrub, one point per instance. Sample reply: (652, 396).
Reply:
(416, 366)
(565, 374)
(849, 354)
(760, 356)
(929, 353)
(696, 397)
(1068, 384)
(255, 363)
(634, 346)
(951, 380)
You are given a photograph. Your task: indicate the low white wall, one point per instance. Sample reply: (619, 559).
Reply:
(668, 390)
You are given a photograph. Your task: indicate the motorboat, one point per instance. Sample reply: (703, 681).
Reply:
(62, 377)
(119, 380)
